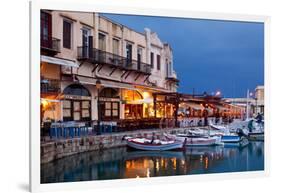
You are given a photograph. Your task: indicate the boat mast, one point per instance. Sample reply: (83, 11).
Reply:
(247, 106)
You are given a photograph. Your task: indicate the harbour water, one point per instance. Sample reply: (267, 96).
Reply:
(122, 163)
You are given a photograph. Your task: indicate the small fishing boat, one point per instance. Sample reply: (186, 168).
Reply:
(231, 138)
(242, 143)
(259, 135)
(225, 135)
(217, 127)
(154, 145)
(193, 140)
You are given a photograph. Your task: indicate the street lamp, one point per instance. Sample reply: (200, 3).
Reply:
(98, 86)
(218, 93)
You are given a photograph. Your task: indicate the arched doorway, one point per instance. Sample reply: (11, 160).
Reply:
(76, 103)
(133, 104)
(109, 104)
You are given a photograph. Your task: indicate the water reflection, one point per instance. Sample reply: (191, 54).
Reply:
(123, 163)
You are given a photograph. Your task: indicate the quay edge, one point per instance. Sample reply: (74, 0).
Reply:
(53, 150)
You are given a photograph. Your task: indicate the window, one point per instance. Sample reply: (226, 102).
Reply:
(109, 110)
(46, 30)
(108, 104)
(86, 41)
(168, 68)
(139, 58)
(76, 108)
(152, 59)
(158, 62)
(129, 53)
(76, 89)
(115, 46)
(109, 93)
(102, 42)
(67, 34)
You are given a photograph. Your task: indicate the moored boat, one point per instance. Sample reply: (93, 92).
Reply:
(226, 136)
(191, 140)
(230, 138)
(154, 145)
(256, 136)
(217, 127)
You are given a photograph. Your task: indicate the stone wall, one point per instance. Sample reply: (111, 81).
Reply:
(57, 149)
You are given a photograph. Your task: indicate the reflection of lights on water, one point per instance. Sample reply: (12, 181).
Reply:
(182, 162)
(174, 161)
(162, 162)
(201, 158)
(128, 164)
(147, 173)
(206, 163)
(157, 165)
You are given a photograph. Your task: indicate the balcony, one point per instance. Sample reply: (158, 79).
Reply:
(50, 45)
(50, 86)
(105, 58)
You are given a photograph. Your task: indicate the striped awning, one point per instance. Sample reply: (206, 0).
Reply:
(59, 61)
(105, 83)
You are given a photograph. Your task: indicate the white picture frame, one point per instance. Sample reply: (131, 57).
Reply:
(96, 6)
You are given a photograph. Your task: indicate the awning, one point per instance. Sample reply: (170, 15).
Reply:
(141, 101)
(194, 105)
(221, 108)
(50, 100)
(105, 83)
(59, 61)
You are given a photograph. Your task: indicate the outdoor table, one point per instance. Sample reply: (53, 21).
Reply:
(68, 129)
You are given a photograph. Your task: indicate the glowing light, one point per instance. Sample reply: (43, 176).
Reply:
(145, 95)
(147, 173)
(45, 103)
(218, 93)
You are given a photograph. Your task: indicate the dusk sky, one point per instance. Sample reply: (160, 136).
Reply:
(209, 55)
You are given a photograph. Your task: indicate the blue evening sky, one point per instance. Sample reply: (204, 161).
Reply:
(209, 55)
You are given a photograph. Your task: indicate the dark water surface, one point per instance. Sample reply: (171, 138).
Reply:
(125, 163)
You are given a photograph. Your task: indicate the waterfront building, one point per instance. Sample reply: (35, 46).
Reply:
(259, 99)
(96, 70)
(81, 50)
(255, 102)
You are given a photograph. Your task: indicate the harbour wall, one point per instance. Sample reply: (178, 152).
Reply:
(59, 148)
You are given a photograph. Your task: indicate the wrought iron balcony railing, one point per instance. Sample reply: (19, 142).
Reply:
(50, 43)
(50, 85)
(102, 57)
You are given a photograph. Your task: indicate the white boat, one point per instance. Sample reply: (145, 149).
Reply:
(226, 136)
(190, 140)
(155, 145)
(217, 127)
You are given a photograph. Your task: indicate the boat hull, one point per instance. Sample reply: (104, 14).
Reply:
(230, 138)
(154, 147)
(256, 136)
(198, 141)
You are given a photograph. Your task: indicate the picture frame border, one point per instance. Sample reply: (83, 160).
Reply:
(103, 7)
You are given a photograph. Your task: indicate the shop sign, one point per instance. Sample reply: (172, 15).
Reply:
(109, 99)
(77, 97)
